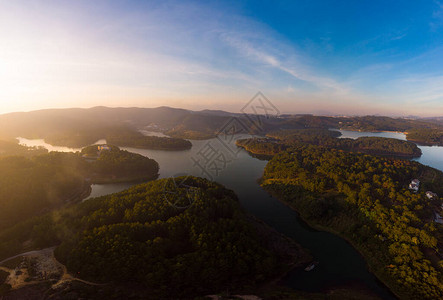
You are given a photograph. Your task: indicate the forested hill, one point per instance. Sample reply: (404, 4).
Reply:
(283, 139)
(82, 127)
(366, 199)
(196, 243)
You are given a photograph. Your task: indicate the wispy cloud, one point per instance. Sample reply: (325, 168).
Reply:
(295, 69)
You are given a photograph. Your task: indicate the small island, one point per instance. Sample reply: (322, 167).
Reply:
(149, 142)
(109, 164)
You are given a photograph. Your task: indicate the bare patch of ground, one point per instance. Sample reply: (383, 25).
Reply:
(35, 268)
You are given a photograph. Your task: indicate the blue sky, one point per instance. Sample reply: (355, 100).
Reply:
(324, 57)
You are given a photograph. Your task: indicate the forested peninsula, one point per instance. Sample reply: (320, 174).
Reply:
(366, 199)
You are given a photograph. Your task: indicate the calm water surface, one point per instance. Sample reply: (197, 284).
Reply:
(340, 264)
(42, 143)
(152, 133)
(356, 134)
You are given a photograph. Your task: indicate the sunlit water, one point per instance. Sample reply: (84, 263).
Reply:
(386, 134)
(152, 133)
(340, 264)
(49, 147)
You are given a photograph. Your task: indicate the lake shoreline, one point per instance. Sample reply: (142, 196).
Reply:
(369, 131)
(133, 179)
(405, 133)
(319, 227)
(296, 257)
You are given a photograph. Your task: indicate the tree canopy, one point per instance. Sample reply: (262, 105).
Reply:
(138, 236)
(283, 139)
(366, 199)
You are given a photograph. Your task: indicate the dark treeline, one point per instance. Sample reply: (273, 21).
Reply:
(426, 136)
(308, 135)
(366, 199)
(135, 139)
(282, 139)
(31, 186)
(262, 146)
(117, 165)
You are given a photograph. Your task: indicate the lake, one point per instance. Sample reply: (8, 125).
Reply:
(152, 133)
(340, 264)
(356, 134)
(49, 147)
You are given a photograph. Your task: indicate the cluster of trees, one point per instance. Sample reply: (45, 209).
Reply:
(137, 140)
(118, 165)
(308, 135)
(137, 236)
(426, 136)
(381, 146)
(190, 134)
(261, 146)
(283, 139)
(366, 199)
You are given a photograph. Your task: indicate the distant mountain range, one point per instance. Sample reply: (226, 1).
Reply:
(78, 127)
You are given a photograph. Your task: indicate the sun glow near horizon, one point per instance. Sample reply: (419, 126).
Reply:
(196, 56)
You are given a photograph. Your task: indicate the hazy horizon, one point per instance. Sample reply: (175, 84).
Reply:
(321, 58)
(315, 113)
